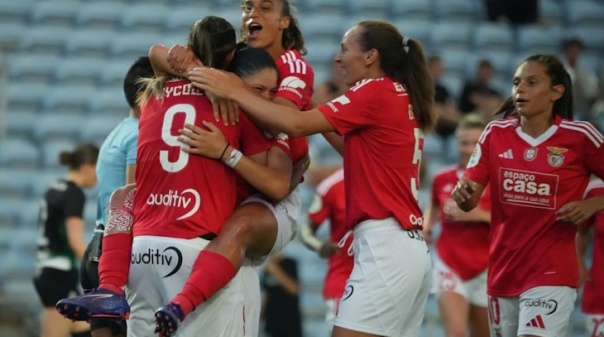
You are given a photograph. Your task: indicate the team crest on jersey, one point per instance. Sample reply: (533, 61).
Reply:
(555, 157)
(530, 154)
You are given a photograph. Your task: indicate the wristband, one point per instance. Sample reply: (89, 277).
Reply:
(234, 158)
(223, 151)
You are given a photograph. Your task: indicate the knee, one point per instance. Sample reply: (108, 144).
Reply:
(239, 227)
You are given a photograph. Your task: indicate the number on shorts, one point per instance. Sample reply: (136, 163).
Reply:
(494, 311)
(598, 327)
(171, 140)
(417, 159)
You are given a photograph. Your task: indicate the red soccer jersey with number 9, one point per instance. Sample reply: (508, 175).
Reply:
(382, 151)
(181, 195)
(530, 179)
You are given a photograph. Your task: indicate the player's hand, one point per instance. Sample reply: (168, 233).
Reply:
(328, 249)
(224, 109)
(577, 212)
(463, 191)
(220, 83)
(209, 143)
(182, 59)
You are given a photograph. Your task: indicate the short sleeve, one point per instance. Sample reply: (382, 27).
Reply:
(594, 161)
(319, 209)
(130, 147)
(297, 84)
(253, 141)
(74, 202)
(352, 110)
(478, 166)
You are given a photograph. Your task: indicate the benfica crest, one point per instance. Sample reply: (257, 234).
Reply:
(530, 154)
(555, 157)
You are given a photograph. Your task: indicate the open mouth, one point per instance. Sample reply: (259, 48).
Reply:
(521, 101)
(253, 30)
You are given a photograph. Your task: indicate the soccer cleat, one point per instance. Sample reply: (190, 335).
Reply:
(167, 319)
(98, 303)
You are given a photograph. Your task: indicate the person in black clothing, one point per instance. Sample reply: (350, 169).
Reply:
(281, 307)
(480, 86)
(444, 104)
(61, 240)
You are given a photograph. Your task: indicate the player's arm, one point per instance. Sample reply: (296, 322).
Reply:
(432, 210)
(582, 243)
(159, 55)
(335, 140)
(130, 174)
(298, 171)
(74, 223)
(467, 193)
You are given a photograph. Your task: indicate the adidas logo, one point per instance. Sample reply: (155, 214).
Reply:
(507, 154)
(536, 322)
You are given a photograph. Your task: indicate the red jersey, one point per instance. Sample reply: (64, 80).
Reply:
(181, 195)
(296, 78)
(383, 145)
(530, 179)
(593, 291)
(463, 246)
(329, 204)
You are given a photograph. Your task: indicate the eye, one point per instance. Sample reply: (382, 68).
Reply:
(246, 7)
(258, 89)
(515, 82)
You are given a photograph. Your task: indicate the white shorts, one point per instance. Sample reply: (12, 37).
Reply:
(447, 280)
(159, 268)
(540, 311)
(287, 212)
(388, 288)
(595, 325)
(331, 310)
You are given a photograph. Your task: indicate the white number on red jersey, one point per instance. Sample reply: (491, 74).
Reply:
(171, 140)
(417, 159)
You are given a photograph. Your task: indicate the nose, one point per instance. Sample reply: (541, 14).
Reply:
(338, 57)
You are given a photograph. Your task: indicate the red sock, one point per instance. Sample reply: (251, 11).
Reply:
(211, 272)
(114, 264)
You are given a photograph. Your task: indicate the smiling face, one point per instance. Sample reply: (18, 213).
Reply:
(532, 90)
(263, 23)
(351, 57)
(263, 82)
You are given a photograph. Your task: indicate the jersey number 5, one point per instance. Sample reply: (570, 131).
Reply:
(171, 140)
(417, 159)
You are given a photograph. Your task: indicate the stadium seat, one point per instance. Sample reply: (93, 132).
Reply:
(68, 99)
(145, 17)
(11, 36)
(132, 45)
(321, 52)
(55, 13)
(376, 8)
(45, 178)
(18, 154)
(59, 126)
(79, 71)
(93, 43)
(110, 101)
(454, 61)
(9, 214)
(114, 72)
(231, 14)
(25, 97)
(33, 68)
(15, 183)
(493, 37)
(29, 217)
(103, 124)
(21, 123)
(102, 15)
(181, 18)
(46, 40)
(50, 158)
(413, 9)
(323, 28)
(552, 11)
(454, 84)
(15, 11)
(462, 10)
(538, 39)
(451, 36)
(333, 7)
(585, 13)
(416, 29)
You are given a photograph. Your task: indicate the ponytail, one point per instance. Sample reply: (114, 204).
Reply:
(83, 154)
(212, 39)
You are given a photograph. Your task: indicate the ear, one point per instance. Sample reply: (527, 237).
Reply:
(284, 22)
(557, 92)
(371, 57)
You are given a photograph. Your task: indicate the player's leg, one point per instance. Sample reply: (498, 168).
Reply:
(477, 296)
(545, 311)
(452, 300)
(108, 300)
(503, 316)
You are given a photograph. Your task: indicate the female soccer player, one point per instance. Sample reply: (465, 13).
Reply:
(462, 249)
(537, 163)
(592, 302)
(382, 117)
(61, 240)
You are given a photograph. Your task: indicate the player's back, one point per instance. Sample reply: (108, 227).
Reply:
(180, 195)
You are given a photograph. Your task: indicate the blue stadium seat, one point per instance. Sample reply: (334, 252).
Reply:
(321, 52)
(50, 158)
(91, 42)
(33, 68)
(46, 40)
(552, 11)
(68, 99)
(493, 37)
(334, 7)
(323, 28)
(592, 37)
(79, 71)
(15, 11)
(538, 39)
(454, 61)
(462, 10)
(55, 13)
(376, 8)
(133, 45)
(585, 13)
(454, 84)
(114, 72)
(231, 14)
(90, 210)
(413, 9)
(59, 126)
(103, 124)
(29, 216)
(11, 36)
(25, 97)
(15, 183)
(18, 154)
(21, 123)
(9, 213)
(145, 17)
(181, 18)
(45, 178)
(102, 15)
(416, 29)
(109, 101)
(451, 36)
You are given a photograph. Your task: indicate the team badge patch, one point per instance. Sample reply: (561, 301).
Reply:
(530, 154)
(555, 157)
(476, 154)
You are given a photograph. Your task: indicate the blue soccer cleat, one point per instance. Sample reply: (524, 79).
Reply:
(167, 319)
(98, 303)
